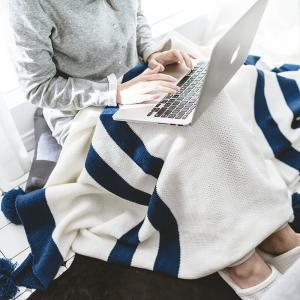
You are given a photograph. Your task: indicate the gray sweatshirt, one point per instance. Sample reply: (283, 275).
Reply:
(70, 53)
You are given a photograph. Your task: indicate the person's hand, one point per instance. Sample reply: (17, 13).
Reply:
(162, 59)
(145, 87)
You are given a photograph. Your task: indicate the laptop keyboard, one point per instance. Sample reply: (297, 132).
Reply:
(181, 104)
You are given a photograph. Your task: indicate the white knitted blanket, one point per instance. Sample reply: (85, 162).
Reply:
(185, 201)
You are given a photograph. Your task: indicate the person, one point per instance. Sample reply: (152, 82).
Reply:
(73, 54)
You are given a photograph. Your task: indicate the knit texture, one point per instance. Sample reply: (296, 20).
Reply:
(183, 201)
(70, 54)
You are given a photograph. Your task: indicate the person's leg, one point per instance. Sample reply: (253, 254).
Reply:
(252, 278)
(46, 154)
(281, 241)
(281, 249)
(249, 273)
(254, 270)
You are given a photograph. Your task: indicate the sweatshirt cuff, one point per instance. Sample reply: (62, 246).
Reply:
(112, 90)
(156, 47)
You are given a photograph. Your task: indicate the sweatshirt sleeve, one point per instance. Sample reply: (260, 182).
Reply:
(37, 72)
(145, 43)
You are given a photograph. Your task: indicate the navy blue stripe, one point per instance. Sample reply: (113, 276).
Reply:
(162, 219)
(130, 143)
(296, 201)
(252, 60)
(281, 147)
(291, 92)
(112, 181)
(286, 68)
(41, 266)
(126, 246)
(126, 138)
(296, 207)
(134, 72)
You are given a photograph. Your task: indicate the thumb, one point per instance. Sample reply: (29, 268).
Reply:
(152, 71)
(154, 63)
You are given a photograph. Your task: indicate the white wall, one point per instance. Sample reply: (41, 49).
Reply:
(8, 79)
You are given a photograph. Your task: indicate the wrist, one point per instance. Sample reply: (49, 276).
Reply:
(153, 55)
(118, 96)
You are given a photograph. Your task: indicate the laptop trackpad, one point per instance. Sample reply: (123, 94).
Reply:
(177, 70)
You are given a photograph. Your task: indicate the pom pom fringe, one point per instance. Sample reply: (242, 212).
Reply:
(8, 287)
(8, 205)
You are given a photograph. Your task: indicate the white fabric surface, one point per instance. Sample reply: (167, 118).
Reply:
(225, 196)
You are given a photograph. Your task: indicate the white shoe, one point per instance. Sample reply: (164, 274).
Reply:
(281, 262)
(255, 292)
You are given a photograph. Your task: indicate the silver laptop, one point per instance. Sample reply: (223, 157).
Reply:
(203, 84)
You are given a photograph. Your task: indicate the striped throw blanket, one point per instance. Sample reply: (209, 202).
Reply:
(185, 201)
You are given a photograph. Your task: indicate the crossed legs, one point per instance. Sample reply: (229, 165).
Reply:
(255, 270)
